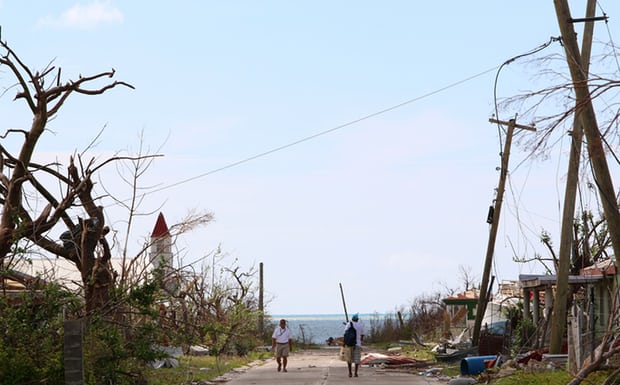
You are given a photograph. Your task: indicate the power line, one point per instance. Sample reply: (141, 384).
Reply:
(611, 40)
(321, 133)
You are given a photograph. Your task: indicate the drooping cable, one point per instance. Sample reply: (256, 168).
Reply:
(325, 132)
(528, 53)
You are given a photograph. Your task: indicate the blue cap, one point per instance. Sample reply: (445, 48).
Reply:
(355, 317)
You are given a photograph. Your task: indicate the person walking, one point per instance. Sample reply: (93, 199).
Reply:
(282, 343)
(356, 351)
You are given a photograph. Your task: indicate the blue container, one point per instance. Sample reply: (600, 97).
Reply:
(474, 365)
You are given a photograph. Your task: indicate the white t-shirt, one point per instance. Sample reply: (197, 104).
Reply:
(281, 335)
(359, 330)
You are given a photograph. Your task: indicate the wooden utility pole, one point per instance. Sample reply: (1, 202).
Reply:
(484, 286)
(558, 319)
(590, 126)
(261, 306)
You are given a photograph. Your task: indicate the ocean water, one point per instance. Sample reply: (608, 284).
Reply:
(317, 328)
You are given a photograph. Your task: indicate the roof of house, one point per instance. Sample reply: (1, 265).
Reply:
(604, 267)
(460, 298)
(532, 281)
(59, 270)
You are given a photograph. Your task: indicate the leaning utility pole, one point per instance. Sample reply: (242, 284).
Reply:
(344, 304)
(558, 319)
(484, 289)
(590, 126)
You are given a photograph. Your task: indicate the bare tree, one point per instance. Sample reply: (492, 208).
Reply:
(215, 306)
(22, 186)
(467, 277)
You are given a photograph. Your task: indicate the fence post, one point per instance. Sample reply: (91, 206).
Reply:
(74, 359)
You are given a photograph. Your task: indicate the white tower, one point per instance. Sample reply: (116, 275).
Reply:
(160, 255)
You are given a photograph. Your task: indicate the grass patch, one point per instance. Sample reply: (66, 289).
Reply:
(202, 368)
(558, 377)
(550, 378)
(420, 354)
(452, 369)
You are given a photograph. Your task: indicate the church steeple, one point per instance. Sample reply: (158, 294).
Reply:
(160, 254)
(161, 228)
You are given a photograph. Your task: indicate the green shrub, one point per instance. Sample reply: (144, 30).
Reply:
(118, 347)
(31, 336)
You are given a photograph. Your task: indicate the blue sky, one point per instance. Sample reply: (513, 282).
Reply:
(390, 206)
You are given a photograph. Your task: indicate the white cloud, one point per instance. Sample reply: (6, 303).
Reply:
(86, 16)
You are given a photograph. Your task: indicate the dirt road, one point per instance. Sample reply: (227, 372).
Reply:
(322, 367)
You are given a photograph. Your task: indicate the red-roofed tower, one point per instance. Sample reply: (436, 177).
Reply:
(160, 255)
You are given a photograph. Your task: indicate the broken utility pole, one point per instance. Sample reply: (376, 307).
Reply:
(484, 286)
(558, 318)
(590, 126)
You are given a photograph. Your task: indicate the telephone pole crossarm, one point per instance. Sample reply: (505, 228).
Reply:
(505, 123)
(587, 19)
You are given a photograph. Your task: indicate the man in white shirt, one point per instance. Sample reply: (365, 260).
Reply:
(356, 351)
(282, 343)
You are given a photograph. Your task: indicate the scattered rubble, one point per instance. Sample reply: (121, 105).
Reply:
(392, 361)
